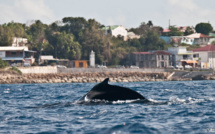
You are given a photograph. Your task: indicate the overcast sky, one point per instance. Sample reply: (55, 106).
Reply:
(129, 13)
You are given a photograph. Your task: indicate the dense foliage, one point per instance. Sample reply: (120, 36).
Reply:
(74, 37)
(204, 28)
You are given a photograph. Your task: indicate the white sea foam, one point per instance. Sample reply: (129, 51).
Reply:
(86, 98)
(189, 100)
(211, 99)
(7, 92)
(169, 90)
(155, 101)
(123, 101)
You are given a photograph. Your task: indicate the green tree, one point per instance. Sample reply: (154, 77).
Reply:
(67, 47)
(94, 39)
(3, 64)
(52, 32)
(10, 30)
(74, 25)
(36, 37)
(204, 28)
(143, 28)
(18, 29)
(6, 36)
(150, 24)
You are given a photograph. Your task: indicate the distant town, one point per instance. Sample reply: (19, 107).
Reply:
(81, 43)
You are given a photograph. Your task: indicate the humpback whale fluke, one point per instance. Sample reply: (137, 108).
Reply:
(104, 91)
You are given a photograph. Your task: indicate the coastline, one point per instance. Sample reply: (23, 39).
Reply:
(12, 77)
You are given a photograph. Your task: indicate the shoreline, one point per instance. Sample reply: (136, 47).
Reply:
(12, 77)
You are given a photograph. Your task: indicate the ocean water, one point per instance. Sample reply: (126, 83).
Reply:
(53, 108)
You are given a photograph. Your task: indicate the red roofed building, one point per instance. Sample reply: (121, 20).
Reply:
(156, 59)
(142, 53)
(181, 29)
(206, 55)
(166, 31)
(206, 48)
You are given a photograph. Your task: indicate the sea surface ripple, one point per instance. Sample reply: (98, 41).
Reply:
(53, 108)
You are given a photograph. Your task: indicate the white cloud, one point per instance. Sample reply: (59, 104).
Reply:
(24, 10)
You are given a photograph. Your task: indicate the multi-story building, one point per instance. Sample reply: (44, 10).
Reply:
(206, 56)
(156, 59)
(199, 39)
(183, 57)
(17, 55)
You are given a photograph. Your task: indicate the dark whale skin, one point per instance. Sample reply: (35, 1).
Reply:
(104, 91)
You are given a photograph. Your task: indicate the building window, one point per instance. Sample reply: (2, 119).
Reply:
(196, 56)
(81, 64)
(162, 56)
(185, 57)
(13, 53)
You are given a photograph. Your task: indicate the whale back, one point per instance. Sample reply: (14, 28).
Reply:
(104, 91)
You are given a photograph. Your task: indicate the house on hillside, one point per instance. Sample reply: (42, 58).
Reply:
(212, 34)
(19, 42)
(206, 56)
(131, 35)
(193, 39)
(177, 40)
(156, 59)
(180, 28)
(199, 39)
(116, 30)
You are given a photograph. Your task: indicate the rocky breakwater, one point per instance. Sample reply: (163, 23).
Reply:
(12, 77)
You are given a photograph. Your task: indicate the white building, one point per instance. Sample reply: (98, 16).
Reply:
(206, 56)
(19, 42)
(47, 59)
(183, 57)
(116, 30)
(199, 39)
(131, 35)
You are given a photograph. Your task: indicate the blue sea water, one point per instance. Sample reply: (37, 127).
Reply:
(53, 108)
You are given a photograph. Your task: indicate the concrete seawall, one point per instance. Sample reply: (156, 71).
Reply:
(54, 69)
(38, 69)
(97, 70)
